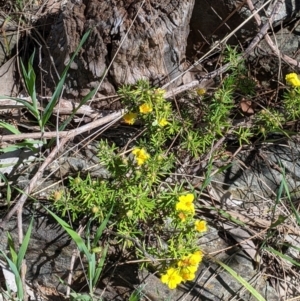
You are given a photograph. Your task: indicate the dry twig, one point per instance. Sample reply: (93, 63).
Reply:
(267, 37)
(67, 135)
(262, 33)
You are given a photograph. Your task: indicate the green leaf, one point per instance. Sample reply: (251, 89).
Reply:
(27, 144)
(91, 270)
(83, 102)
(5, 180)
(74, 235)
(100, 266)
(24, 246)
(286, 257)
(8, 149)
(291, 246)
(136, 295)
(102, 227)
(30, 79)
(287, 191)
(34, 111)
(57, 93)
(15, 271)
(12, 249)
(9, 127)
(241, 280)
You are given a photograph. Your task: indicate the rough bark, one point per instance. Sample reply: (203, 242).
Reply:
(153, 49)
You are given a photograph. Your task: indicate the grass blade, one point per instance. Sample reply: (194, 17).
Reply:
(49, 108)
(12, 248)
(24, 246)
(91, 271)
(83, 102)
(9, 127)
(15, 271)
(100, 266)
(5, 180)
(101, 228)
(74, 235)
(241, 280)
(33, 145)
(286, 257)
(26, 104)
(30, 78)
(287, 191)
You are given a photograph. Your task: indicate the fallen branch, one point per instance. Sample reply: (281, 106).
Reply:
(65, 134)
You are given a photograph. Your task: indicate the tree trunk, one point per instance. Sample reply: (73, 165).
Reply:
(140, 40)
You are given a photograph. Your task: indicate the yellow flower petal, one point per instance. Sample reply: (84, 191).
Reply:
(186, 203)
(188, 273)
(130, 118)
(200, 226)
(186, 198)
(186, 207)
(163, 122)
(182, 216)
(201, 91)
(140, 155)
(293, 79)
(188, 276)
(172, 278)
(196, 257)
(145, 108)
(191, 260)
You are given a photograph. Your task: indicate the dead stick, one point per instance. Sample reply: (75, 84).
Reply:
(267, 36)
(67, 134)
(19, 204)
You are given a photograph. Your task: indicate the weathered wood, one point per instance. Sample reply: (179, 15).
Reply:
(141, 40)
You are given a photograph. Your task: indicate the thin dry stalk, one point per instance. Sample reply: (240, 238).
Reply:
(65, 134)
(267, 37)
(70, 134)
(213, 49)
(206, 80)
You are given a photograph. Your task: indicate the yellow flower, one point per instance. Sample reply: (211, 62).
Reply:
(163, 122)
(185, 262)
(57, 195)
(158, 96)
(182, 216)
(140, 155)
(201, 91)
(130, 118)
(172, 278)
(186, 198)
(159, 92)
(293, 79)
(191, 260)
(200, 226)
(186, 203)
(188, 272)
(196, 257)
(145, 108)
